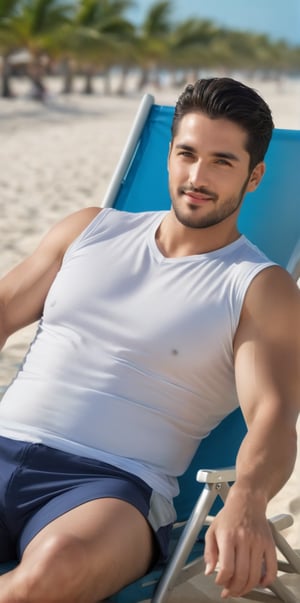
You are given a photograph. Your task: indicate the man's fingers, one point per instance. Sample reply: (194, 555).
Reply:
(227, 561)
(211, 552)
(255, 570)
(252, 568)
(247, 571)
(270, 567)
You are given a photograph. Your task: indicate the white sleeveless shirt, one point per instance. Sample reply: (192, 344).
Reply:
(132, 363)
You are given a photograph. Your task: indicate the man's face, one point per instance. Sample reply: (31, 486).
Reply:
(209, 170)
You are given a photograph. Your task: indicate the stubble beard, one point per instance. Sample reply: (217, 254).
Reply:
(190, 219)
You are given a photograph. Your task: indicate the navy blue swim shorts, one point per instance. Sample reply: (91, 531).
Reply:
(38, 484)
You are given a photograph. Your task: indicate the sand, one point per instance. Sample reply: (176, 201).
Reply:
(57, 157)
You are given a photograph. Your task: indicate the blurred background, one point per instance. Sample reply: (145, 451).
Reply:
(122, 46)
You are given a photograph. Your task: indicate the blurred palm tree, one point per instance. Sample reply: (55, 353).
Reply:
(98, 37)
(294, 60)
(8, 43)
(34, 25)
(243, 49)
(153, 41)
(279, 56)
(191, 46)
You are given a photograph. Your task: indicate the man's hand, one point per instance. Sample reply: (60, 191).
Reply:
(241, 543)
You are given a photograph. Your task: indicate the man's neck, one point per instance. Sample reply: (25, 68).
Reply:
(176, 240)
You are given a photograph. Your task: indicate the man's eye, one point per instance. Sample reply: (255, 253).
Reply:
(223, 162)
(185, 153)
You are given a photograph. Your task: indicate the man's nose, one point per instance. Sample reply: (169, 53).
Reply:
(198, 174)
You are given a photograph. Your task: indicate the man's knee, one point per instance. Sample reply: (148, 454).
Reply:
(54, 571)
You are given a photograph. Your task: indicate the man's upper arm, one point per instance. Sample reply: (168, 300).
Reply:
(267, 348)
(23, 290)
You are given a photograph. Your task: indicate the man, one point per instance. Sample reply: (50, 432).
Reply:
(152, 328)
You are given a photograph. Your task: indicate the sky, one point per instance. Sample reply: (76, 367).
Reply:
(280, 19)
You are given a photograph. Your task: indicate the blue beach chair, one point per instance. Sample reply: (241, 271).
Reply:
(270, 217)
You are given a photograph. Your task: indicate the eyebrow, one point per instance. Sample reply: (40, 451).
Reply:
(218, 154)
(226, 155)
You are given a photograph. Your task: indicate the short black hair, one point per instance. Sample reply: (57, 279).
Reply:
(230, 99)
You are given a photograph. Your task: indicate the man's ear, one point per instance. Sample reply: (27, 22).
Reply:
(256, 176)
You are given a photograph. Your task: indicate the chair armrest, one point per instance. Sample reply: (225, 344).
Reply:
(216, 476)
(281, 521)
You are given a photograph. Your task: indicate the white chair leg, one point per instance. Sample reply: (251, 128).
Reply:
(185, 543)
(282, 592)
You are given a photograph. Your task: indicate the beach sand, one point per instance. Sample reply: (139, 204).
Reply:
(57, 157)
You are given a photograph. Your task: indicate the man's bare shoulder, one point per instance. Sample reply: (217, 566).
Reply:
(273, 284)
(272, 301)
(76, 222)
(63, 233)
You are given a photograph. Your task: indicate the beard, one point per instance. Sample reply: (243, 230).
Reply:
(191, 218)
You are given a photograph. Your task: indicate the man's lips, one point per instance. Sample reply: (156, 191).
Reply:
(198, 198)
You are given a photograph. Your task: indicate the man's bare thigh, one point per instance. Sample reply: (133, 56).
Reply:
(86, 554)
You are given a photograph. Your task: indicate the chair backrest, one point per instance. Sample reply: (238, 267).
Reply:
(270, 218)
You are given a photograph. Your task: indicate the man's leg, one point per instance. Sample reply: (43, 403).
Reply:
(83, 556)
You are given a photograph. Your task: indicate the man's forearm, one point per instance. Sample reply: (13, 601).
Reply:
(266, 457)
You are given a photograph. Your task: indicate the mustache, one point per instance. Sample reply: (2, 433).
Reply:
(202, 190)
